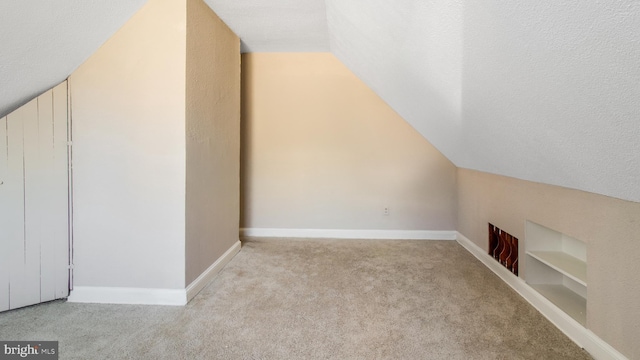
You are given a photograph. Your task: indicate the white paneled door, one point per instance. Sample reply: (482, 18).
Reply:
(34, 202)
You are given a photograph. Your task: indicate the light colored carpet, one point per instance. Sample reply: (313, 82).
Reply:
(315, 299)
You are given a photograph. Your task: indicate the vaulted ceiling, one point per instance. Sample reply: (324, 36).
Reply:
(546, 91)
(42, 41)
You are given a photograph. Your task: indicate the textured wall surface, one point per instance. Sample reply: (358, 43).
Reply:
(276, 25)
(322, 151)
(42, 42)
(610, 228)
(212, 138)
(128, 106)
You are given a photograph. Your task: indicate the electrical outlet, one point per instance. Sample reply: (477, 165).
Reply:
(386, 211)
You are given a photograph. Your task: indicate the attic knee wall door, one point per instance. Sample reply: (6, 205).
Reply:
(34, 216)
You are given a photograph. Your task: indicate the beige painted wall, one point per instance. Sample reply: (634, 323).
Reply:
(212, 138)
(128, 113)
(610, 227)
(322, 151)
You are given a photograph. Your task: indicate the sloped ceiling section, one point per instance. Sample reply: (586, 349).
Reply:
(410, 54)
(276, 25)
(43, 41)
(544, 91)
(551, 93)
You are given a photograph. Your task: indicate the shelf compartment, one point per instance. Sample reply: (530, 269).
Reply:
(556, 267)
(568, 301)
(564, 263)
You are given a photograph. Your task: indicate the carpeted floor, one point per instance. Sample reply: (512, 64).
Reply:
(315, 299)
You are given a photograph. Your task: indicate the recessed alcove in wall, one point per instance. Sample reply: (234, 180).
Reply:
(557, 269)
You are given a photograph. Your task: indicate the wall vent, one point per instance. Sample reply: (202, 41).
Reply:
(504, 248)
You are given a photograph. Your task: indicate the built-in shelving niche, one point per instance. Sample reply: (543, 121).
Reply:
(557, 268)
(504, 248)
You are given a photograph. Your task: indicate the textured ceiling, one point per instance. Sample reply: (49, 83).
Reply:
(43, 41)
(276, 25)
(544, 91)
(551, 92)
(411, 56)
(547, 91)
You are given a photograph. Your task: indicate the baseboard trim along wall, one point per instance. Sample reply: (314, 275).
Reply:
(350, 234)
(123, 295)
(142, 296)
(205, 278)
(586, 339)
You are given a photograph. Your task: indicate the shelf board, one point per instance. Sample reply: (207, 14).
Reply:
(568, 265)
(568, 301)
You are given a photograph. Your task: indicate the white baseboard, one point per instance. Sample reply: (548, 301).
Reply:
(205, 278)
(119, 295)
(142, 296)
(586, 339)
(350, 234)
